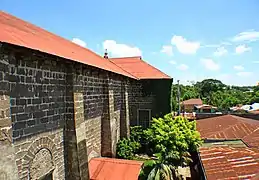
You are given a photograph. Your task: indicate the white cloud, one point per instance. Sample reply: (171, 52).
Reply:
(172, 62)
(121, 50)
(210, 64)
(210, 46)
(250, 35)
(239, 68)
(220, 51)
(184, 46)
(256, 62)
(183, 67)
(224, 43)
(244, 74)
(167, 49)
(79, 42)
(242, 48)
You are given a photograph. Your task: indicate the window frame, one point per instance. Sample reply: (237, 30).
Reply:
(141, 109)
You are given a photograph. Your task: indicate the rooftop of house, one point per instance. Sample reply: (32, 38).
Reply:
(21, 33)
(192, 102)
(114, 169)
(230, 127)
(139, 68)
(231, 147)
(229, 162)
(205, 106)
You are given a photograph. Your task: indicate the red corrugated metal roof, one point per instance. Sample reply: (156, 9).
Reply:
(230, 163)
(230, 127)
(18, 32)
(139, 68)
(114, 169)
(192, 102)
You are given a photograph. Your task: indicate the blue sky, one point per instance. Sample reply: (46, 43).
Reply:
(189, 40)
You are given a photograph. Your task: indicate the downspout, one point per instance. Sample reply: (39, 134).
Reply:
(202, 167)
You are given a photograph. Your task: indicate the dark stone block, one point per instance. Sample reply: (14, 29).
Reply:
(22, 117)
(17, 109)
(50, 113)
(31, 122)
(19, 125)
(21, 101)
(21, 71)
(29, 79)
(36, 101)
(35, 129)
(4, 86)
(44, 106)
(39, 114)
(44, 120)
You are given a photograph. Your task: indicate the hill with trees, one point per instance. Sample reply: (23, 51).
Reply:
(215, 93)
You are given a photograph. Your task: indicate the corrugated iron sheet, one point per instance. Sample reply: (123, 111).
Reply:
(230, 127)
(230, 163)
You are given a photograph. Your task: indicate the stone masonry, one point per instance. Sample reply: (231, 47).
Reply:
(60, 113)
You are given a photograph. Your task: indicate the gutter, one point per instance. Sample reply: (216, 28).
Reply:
(202, 167)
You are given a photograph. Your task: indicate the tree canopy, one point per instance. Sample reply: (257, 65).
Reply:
(215, 93)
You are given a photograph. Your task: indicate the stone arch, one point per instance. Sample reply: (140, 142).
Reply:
(41, 145)
(42, 164)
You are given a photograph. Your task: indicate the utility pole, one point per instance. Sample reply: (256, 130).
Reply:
(179, 105)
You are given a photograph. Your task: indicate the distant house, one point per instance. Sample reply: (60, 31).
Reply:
(230, 149)
(204, 108)
(189, 105)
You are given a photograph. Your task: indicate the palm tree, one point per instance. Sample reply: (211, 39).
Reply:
(164, 172)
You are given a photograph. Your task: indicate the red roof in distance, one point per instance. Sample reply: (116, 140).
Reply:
(21, 33)
(114, 169)
(139, 68)
(192, 102)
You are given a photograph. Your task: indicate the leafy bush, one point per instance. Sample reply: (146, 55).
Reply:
(137, 133)
(126, 148)
(146, 168)
(174, 139)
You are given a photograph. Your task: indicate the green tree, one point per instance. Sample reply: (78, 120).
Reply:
(174, 139)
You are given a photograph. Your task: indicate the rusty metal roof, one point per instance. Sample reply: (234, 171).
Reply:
(192, 102)
(21, 33)
(230, 163)
(114, 169)
(230, 127)
(139, 68)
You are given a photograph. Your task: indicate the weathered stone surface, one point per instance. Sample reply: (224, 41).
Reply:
(8, 168)
(71, 109)
(41, 165)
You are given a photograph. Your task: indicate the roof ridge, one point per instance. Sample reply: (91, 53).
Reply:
(154, 67)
